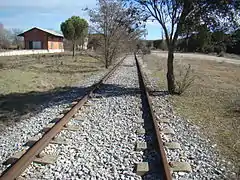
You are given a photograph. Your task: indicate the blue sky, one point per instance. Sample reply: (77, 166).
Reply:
(49, 14)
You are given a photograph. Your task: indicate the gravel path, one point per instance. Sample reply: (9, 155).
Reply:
(195, 148)
(14, 136)
(193, 56)
(104, 146)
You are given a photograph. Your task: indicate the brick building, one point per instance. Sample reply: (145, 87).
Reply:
(38, 38)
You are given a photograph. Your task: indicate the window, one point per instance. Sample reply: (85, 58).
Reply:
(35, 45)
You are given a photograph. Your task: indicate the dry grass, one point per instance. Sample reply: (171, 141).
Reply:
(212, 102)
(40, 73)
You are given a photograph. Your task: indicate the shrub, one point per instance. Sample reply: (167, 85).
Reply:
(1, 66)
(38, 57)
(219, 49)
(75, 59)
(146, 50)
(60, 55)
(221, 54)
(208, 49)
(235, 106)
(184, 80)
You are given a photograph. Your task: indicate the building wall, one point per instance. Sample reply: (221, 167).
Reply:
(36, 35)
(55, 42)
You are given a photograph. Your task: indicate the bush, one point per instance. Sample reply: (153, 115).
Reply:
(208, 49)
(39, 57)
(235, 105)
(60, 55)
(221, 54)
(185, 79)
(1, 66)
(146, 51)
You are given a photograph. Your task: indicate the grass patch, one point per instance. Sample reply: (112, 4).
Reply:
(41, 73)
(212, 102)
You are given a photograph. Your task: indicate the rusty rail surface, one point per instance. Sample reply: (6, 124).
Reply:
(26, 159)
(164, 163)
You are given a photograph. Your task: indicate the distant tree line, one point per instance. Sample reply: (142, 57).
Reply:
(9, 39)
(205, 41)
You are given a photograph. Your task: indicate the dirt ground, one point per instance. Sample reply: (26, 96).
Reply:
(212, 101)
(28, 81)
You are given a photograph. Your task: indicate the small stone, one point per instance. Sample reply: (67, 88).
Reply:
(181, 173)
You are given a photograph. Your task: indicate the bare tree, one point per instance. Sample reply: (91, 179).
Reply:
(17, 40)
(94, 41)
(5, 38)
(117, 26)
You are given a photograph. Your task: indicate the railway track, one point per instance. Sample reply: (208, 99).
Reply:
(158, 167)
(34, 151)
(163, 164)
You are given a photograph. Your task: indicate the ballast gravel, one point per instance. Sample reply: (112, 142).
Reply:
(14, 136)
(104, 146)
(196, 149)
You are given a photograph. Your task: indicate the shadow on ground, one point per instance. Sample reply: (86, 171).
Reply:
(66, 70)
(158, 93)
(17, 106)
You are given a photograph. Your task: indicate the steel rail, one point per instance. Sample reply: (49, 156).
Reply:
(164, 162)
(27, 158)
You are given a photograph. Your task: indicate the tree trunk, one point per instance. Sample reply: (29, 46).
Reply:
(170, 72)
(187, 40)
(106, 63)
(73, 55)
(106, 55)
(106, 59)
